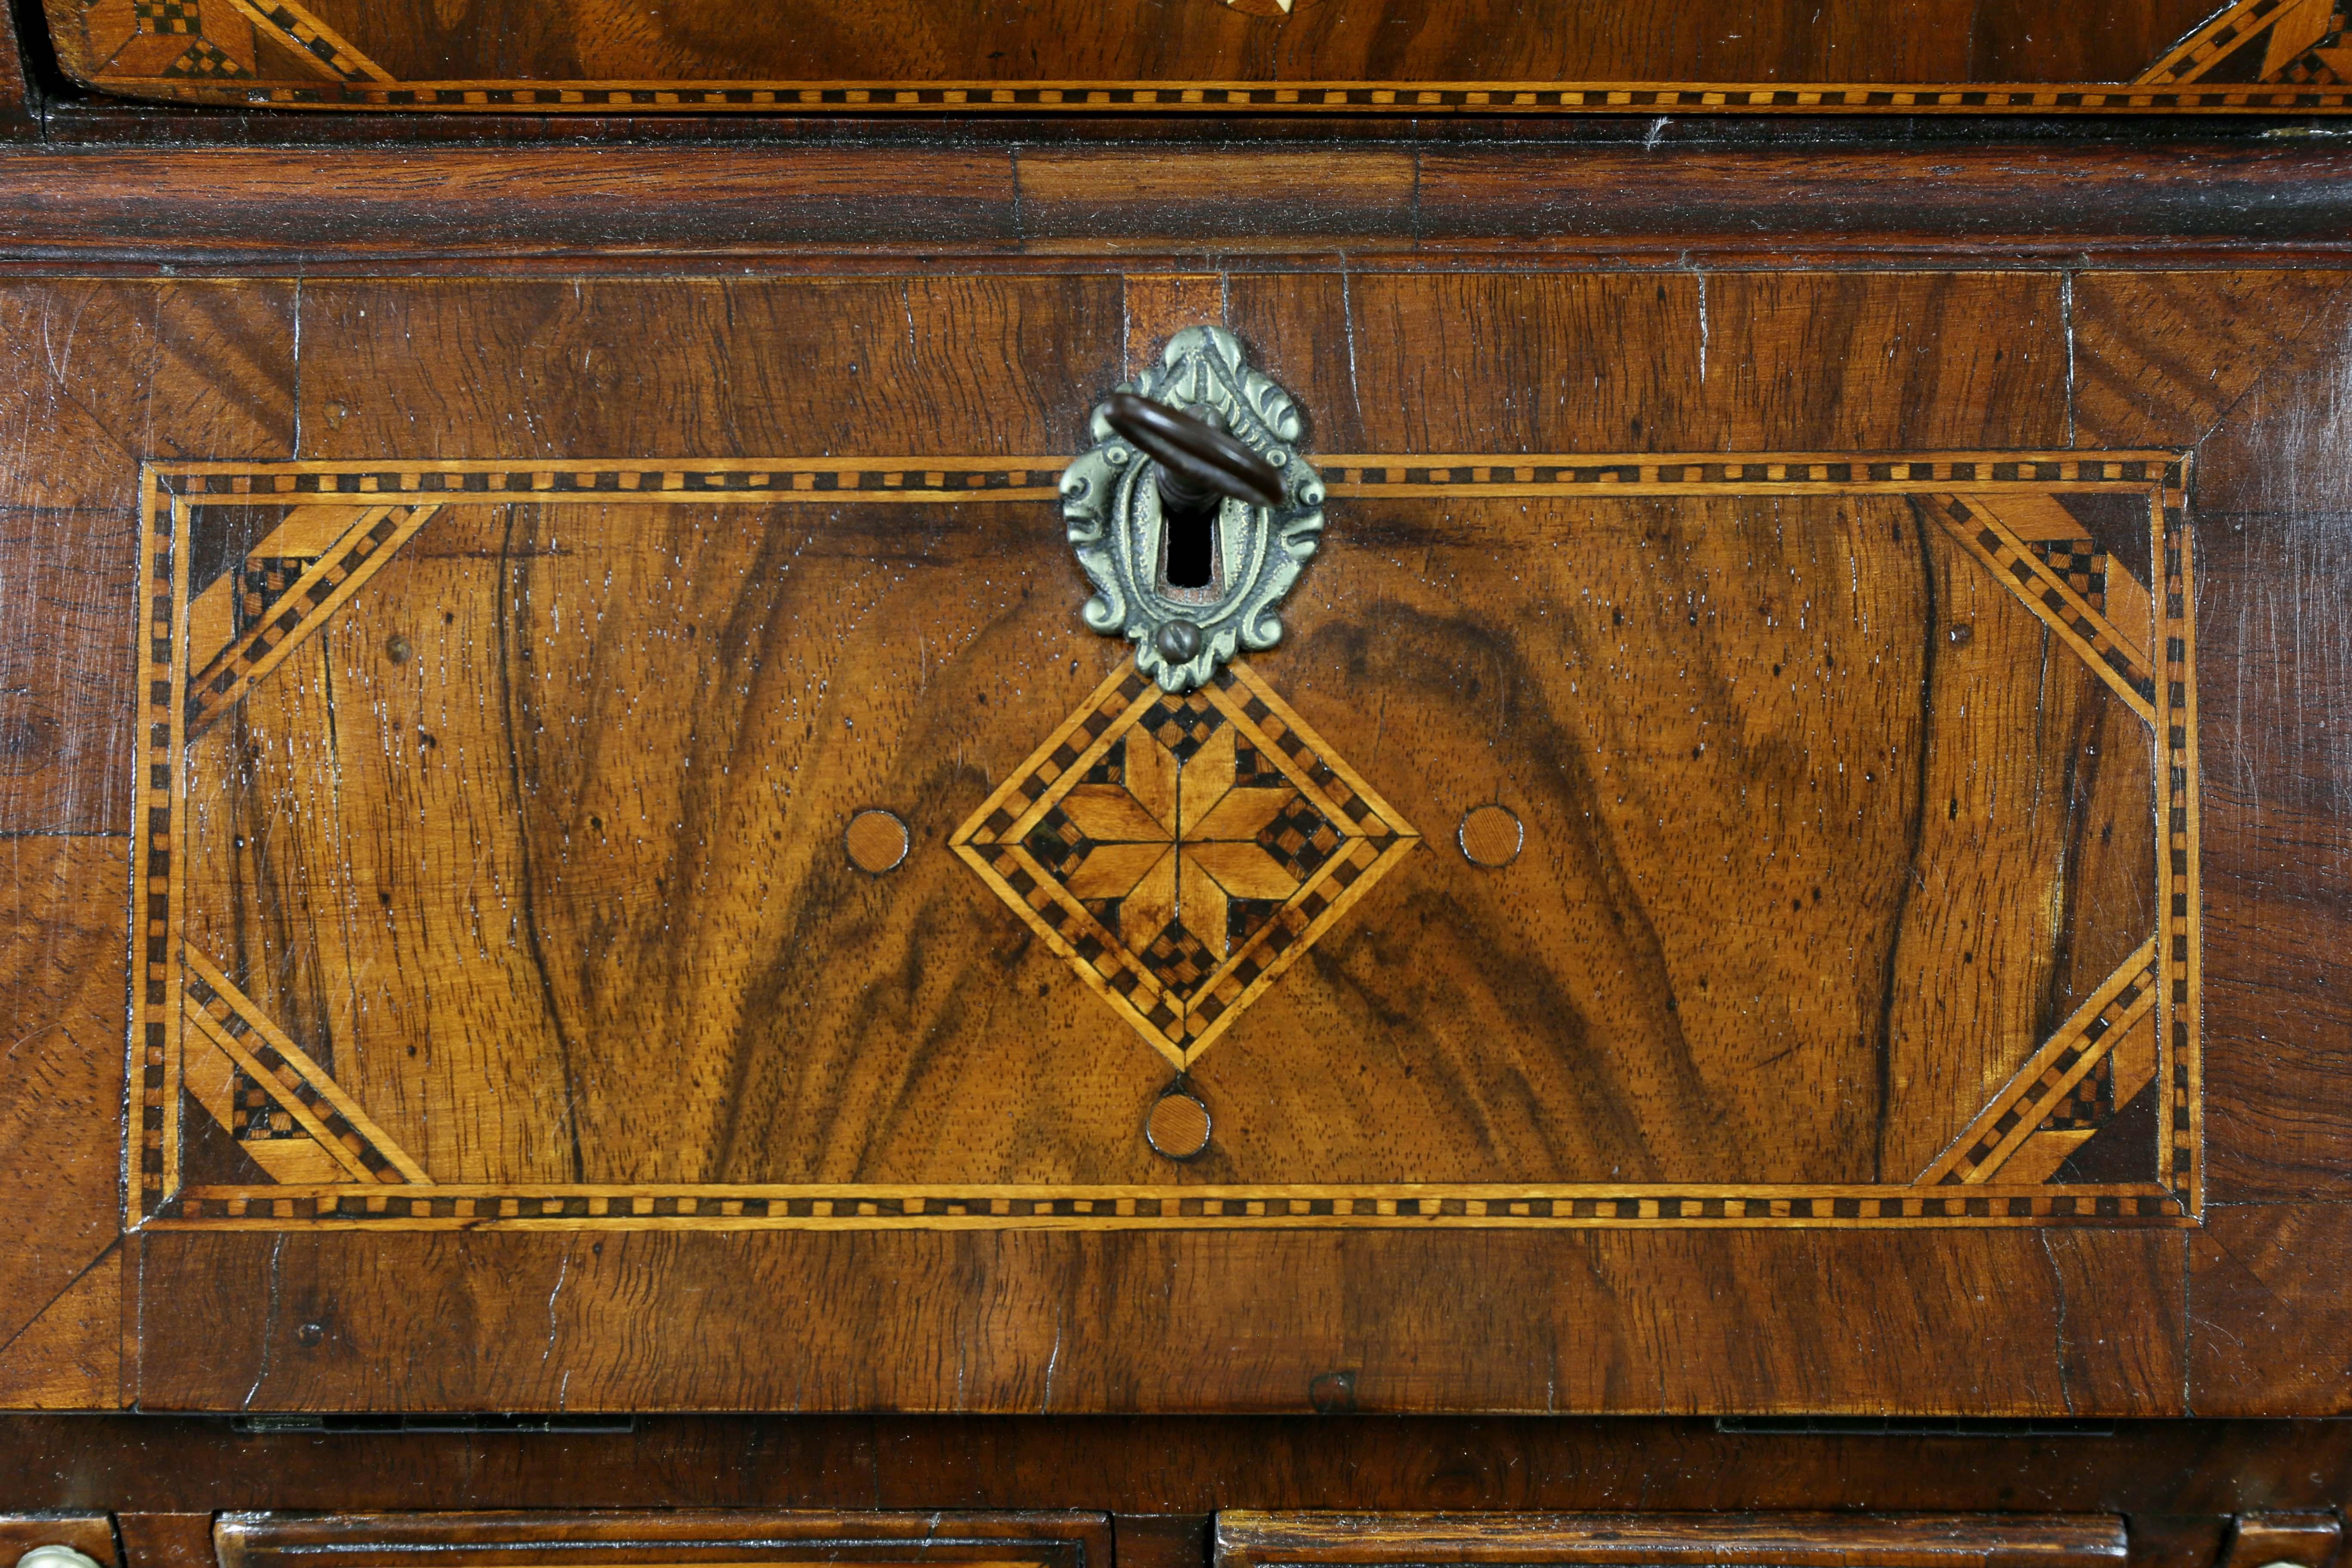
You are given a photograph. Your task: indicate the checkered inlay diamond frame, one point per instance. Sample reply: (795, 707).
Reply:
(2054, 584)
(1182, 1021)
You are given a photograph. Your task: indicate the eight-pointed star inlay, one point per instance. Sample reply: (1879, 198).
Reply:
(1180, 851)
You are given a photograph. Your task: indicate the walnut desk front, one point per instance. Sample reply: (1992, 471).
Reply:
(1787, 859)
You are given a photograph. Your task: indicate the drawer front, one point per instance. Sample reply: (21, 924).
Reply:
(671, 1538)
(1653, 1540)
(656, 801)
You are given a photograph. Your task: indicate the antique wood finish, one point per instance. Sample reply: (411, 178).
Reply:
(601, 969)
(869, 205)
(2296, 1538)
(2176, 1483)
(541, 1540)
(513, 659)
(325, 1092)
(1200, 55)
(1248, 1540)
(93, 1535)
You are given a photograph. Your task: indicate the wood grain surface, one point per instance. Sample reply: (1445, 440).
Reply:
(1401, 201)
(475, 932)
(2083, 1322)
(748, 369)
(597, 56)
(2175, 1482)
(159, 1538)
(89, 1535)
(2293, 1538)
(2280, 1132)
(1246, 1539)
(869, 203)
(520, 1023)
(1033, 1540)
(62, 968)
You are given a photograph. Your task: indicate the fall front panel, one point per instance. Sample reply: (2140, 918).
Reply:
(618, 791)
(513, 862)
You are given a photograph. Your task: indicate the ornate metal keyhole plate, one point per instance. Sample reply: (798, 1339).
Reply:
(1119, 528)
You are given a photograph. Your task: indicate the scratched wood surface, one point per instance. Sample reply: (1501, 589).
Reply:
(539, 846)
(1039, 1539)
(579, 961)
(1194, 56)
(392, 841)
(1248, 1539)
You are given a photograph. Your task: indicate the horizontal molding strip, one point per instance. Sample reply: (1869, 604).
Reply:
(991, 203)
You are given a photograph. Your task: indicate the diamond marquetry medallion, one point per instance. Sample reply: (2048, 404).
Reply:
(1180, 851)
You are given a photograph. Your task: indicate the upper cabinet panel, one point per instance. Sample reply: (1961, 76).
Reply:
(1210, 56)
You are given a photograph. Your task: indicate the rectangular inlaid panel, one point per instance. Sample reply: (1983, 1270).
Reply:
(1728, 894)
(1753, 838)
(1194, 56)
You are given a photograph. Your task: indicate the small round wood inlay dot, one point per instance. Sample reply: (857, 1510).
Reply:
(1177, 1125)
(876, 840)
(1491, 836)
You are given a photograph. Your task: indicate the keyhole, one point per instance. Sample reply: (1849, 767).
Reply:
(1191, 547)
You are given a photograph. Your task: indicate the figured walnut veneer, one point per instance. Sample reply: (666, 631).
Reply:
(516, 791)
(498, 910)
(1284, 56)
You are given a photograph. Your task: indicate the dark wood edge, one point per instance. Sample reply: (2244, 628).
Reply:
(1244, 1539)
(1099, 204)
(901, 261)
(1061, 1538)
(1049, 1321)
(183, 1467)
(2304, 1540)
(718, 1527)
(61, 108)
(92, 1534)
(71, 115)
(20, 118)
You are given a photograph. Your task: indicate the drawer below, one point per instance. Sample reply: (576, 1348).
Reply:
(673, 1540)
(1780, 1540)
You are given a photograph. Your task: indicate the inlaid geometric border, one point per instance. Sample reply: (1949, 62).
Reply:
(1968, 493)
(2299, 74)
(1255, 98)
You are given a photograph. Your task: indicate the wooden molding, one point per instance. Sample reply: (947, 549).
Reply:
(1101, 206)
